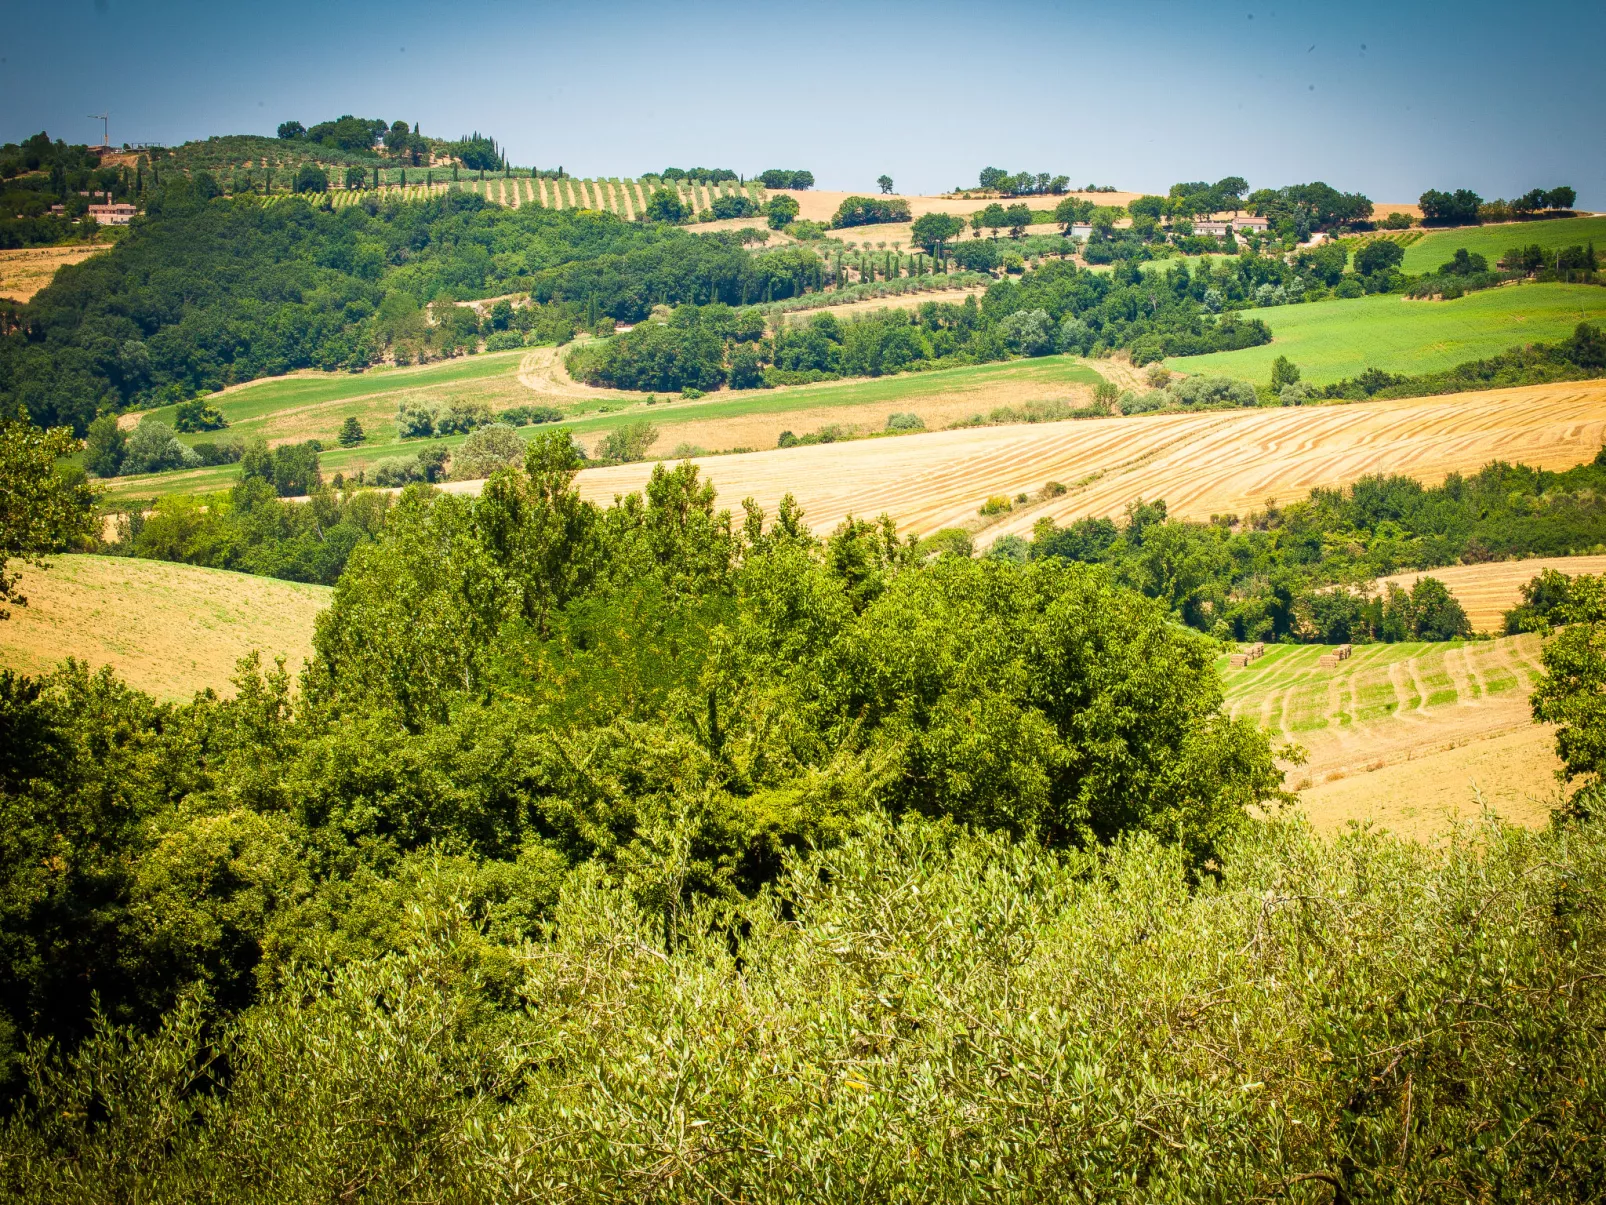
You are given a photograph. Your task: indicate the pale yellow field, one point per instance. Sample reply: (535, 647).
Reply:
(1201, 464)
(1488, 591)
(167, 629)
(26, 270)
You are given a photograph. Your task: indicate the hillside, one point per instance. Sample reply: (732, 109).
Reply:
(1202, 464)
(1337, 339)
(1407, 734)
(1434, 247)
(167, 629)
(26, 270)
(1489, 590)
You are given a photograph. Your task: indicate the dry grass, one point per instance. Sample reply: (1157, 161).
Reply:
(1201, 464)
(899, 301)
(167, 629)
(24, 271)
(1488, 591)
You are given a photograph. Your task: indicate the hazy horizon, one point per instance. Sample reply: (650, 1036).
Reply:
(1391, 101)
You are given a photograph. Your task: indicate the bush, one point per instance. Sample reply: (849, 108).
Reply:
(736, 205)
(429, 465)
(228, 452)
(905, 422)
(521, 416)
(998, 504)
(504, 341)
(1213, 391)
(493, 447)
(153, 448)
(628, 442)
(865, 211)
(195, 415)
(665, 206)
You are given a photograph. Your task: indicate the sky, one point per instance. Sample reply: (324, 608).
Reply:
(1386, 99)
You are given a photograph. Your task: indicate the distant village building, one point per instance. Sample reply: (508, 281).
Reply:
(120, 214)
(1218, 227)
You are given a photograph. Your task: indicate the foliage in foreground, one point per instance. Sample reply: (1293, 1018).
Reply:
(918, 1014)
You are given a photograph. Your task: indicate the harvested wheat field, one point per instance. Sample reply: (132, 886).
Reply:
(1201, 464)
(26, 270)
(167, 629)
(1404, 734)
(1488, 591)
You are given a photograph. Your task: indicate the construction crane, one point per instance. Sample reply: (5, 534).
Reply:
(105, 120)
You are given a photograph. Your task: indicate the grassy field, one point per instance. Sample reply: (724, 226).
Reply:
(1491, 242)
(167, 629)
(1330, 340)
(1201, 464)
(1488, 591)
(315, 405)
(1404, 733)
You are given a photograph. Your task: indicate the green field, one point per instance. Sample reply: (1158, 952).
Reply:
(315, 406)
(1491, 242)
(1287, 690)
(1330, 340)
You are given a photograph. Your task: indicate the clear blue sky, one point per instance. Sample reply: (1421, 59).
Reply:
(1388, 98)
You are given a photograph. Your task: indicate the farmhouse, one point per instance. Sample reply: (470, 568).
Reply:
(1220, 226)
(119, 214)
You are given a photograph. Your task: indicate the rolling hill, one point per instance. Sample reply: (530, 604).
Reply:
(1332, 340)
(166, 629)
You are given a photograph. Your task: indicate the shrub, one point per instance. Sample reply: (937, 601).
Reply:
(520, 416)
(311, 178)
(504, 341)
(227, 452)
(998, 504)
(492, 447)
(865, 211)
(1213, 391)
(429, 465)
(781, 210)
(196, 414)
(153, 448)
(628, 442)
(905, 422)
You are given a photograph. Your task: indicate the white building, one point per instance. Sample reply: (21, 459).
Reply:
(120, 214)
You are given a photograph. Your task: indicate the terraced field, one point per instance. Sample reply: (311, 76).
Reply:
(1406, 733)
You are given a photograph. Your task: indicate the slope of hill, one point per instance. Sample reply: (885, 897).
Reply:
(167, 629)
(314, 405)
(1404, 733)
(26, 270)
(1489, 590)
(1436, 246)
(1332, 340)
(1202, 464)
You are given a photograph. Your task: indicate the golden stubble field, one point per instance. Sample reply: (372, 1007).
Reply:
(1488, 591)
(166, 629)
(1201, 464)
(26, 270)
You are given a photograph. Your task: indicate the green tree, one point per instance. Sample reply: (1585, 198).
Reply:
(781, 210)
(994, 217)
(1018, 217)
(1072, 212)
(933, 230)
(311, 178)
(885, 183)
(104, 446)
(665, 206)
(41, 509)
(1379, 255)
(351, 432)
(1283, 373)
